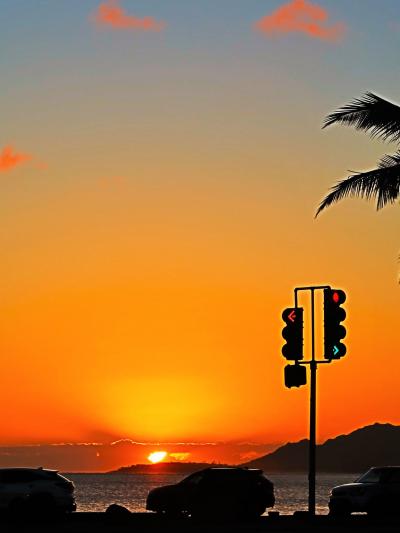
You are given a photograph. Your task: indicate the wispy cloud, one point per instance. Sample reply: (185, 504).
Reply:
(301, 16)
(248, 456)
(9, 158)
(180, 456)
(136, 443)
(111, 14)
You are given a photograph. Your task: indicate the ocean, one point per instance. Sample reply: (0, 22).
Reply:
(95, 492)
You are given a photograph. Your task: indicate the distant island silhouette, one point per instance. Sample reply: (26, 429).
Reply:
(374, 445)
(173, 467)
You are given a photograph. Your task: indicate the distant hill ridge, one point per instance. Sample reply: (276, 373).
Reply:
(374, 445)
(165, 468)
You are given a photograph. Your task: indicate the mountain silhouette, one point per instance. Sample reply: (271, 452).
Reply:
(374, 445)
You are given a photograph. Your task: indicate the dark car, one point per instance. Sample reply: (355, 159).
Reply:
(375, 492)
(35, 490)
(215, 492)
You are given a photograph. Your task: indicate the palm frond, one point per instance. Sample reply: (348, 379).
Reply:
(370, 113)
(382, 183)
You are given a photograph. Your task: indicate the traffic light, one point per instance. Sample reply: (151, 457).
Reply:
(293, 333)
(295, 376)
(334, 331)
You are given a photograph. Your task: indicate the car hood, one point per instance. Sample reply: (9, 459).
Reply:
(349, 487)
(161, 491)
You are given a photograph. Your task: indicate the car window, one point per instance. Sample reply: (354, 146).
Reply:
(234, 474)
(18, 476)
(393, 476)
(194, 479)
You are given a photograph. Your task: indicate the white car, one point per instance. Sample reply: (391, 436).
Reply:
(36, 490)
(376, 492)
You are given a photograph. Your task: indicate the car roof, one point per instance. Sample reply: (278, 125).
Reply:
(27, 469)
(234, 468)
(385, 468)
(227, 469)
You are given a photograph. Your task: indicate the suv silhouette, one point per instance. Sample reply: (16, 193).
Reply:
(35, 490)
(215, 492)
(375, 492)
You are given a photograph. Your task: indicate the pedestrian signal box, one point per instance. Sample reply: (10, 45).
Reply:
(295, 376)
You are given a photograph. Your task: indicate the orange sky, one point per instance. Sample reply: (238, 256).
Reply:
(155, 314)
(146, 262)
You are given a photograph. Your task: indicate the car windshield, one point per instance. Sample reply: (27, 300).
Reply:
(193, 479)
(372, 476)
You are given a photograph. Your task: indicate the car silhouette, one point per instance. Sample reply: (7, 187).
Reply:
(375, 492)
(35, 490)
(215, 492)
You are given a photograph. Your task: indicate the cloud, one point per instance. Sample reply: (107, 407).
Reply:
(112, 15)
(9, 158)
(301, 16)
(180, 456)
(248, 456)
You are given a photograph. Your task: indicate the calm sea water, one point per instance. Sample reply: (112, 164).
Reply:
(95, 492)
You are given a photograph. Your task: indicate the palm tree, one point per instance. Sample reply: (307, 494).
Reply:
(381, 119)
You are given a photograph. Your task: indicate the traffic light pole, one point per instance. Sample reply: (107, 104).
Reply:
(295, 374)
(313, 399)
(313, 414)
(313, 444)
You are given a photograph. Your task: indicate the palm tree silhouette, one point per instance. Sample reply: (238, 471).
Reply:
(381, 119)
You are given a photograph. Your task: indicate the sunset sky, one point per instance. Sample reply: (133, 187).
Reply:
(161, 162)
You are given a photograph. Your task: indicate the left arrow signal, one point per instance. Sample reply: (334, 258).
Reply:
(293, 334)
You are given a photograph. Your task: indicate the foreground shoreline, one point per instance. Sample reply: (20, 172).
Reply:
(151, 523)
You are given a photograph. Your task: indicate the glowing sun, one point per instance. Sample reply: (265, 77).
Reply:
(157, 457)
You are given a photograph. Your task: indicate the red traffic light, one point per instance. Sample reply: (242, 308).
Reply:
(338, 296)
(291, 314)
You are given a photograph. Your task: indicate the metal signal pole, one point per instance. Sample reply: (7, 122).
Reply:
(312, 448)
(313, 414)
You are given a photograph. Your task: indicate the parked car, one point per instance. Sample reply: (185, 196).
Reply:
(375, 492)
(215, 492)
(36, 490)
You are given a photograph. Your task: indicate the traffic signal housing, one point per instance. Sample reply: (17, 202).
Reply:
(334, 332)
(295, 376)
(293, 333)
